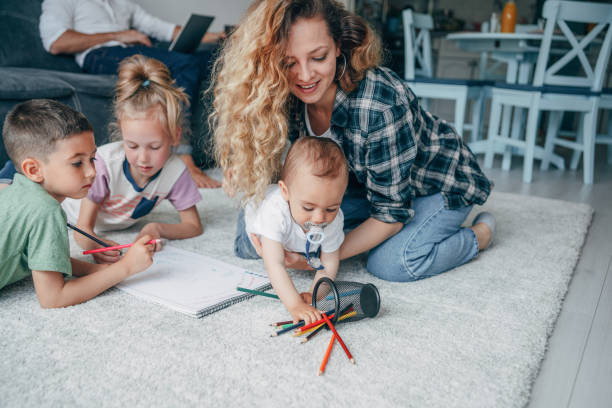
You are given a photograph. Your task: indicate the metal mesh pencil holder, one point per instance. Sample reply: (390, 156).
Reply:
(341, 295)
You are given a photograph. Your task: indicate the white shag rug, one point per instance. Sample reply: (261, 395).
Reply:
(474, 336)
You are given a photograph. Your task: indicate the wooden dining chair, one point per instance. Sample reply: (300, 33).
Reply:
(556, 91)
(419, 74)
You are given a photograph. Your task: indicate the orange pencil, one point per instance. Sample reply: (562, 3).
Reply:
(327, 353)
(333, 329)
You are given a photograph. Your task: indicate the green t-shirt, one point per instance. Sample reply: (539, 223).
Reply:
(33, 232)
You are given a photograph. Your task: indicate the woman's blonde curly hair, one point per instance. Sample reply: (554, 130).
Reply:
(251, 85)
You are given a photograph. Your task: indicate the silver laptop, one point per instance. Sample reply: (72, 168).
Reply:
(190, 36)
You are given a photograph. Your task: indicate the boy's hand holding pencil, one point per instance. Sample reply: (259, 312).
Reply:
(140, 255)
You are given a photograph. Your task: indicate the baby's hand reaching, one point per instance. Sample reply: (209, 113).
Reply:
(305, 312)
(306, 297)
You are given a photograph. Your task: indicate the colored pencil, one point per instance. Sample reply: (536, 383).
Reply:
(285, 330)
(314, 332)
(110, 248)
(346, 350)
(299, 333)
(293, 326)
(308, 326)
(349, 293)
(327, 353)
(80, 231)
(281, 323)
(257, 292)
(313, 324)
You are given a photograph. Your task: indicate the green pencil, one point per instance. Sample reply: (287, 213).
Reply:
(257, 292)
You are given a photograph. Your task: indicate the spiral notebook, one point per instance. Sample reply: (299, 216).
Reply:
(191, 283)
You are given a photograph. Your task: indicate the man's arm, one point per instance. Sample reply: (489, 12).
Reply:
(207, 39)
(72, 42)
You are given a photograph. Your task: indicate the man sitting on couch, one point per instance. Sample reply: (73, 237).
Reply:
(101, 33)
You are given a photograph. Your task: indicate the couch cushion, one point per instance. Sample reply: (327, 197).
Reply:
(98, 85)
(21, 45)
(28, 83)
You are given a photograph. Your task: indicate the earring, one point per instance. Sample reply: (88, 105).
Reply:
(343, 67)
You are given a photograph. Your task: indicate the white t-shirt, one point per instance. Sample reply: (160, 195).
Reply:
(122, 202)
(273, 220)
(98, 16)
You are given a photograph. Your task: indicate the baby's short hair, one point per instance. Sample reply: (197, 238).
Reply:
(32, 128)
(322, 155)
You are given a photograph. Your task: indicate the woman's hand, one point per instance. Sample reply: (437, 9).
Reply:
(293, 260)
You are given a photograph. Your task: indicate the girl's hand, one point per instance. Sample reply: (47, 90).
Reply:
(305, 312)
(293, 260)
(152, 230)
(107, 257)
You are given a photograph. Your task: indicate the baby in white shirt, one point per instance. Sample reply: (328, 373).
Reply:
(301, 215)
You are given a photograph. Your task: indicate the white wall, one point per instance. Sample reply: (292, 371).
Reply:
(177, 11)
(225, 11)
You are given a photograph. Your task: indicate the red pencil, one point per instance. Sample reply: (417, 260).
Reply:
(327, 353)
(333, 329)
(93, 251)
(311, 325)
(318, 322)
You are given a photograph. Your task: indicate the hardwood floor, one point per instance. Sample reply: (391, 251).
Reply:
(577, 368)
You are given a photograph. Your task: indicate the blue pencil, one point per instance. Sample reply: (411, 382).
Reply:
(80, 231)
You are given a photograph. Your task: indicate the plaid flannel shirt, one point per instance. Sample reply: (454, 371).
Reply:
(397, 150)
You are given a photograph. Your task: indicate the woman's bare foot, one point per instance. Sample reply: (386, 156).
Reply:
(202, 179)
(484, 228)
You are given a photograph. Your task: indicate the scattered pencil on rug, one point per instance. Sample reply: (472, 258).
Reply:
(257, 292)
(327, 353)
(333, 329)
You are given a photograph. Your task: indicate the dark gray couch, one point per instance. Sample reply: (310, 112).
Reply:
(28, 71)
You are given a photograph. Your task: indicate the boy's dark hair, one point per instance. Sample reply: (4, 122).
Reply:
(322, 155)
(32, 128)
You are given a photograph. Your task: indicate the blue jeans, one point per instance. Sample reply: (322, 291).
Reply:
(243, 248)
(7, 173)
(187, 69)
(431, 243)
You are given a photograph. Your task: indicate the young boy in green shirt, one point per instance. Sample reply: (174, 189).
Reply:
(53, 149)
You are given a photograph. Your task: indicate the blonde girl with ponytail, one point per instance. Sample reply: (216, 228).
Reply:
(140, 169)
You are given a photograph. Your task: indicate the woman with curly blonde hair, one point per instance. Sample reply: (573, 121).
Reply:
(309, 67)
